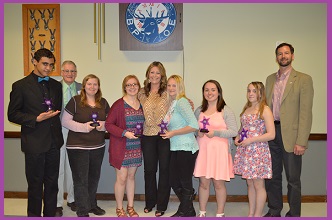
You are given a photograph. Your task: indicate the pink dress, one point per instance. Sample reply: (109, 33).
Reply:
(214, 159)
(253, 161)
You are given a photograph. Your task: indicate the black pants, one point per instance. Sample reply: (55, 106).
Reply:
(181, 169)
(42, 172)
(293, 165)
(156, 151)
(85, 166)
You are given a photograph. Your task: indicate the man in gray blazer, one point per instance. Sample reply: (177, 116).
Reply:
(290, 95)
(69, 88)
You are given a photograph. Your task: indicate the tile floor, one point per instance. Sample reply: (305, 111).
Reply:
(17, 207)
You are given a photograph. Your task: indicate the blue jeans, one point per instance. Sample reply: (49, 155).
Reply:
(85, 166)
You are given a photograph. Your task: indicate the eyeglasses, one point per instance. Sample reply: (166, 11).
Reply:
(131, 85)
(69, 71)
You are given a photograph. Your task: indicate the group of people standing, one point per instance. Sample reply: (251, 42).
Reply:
(157, 125)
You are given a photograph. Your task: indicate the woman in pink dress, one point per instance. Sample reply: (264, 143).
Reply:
(214, 160)
(253, 159)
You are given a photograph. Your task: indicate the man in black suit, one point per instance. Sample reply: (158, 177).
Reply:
(35, 104)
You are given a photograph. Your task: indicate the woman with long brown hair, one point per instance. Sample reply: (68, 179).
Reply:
(156, 150)
(214, 161)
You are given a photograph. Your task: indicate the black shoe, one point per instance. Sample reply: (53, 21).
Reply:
(97, 211)
(290, 215)
(147, 209)
(159, 213)
(271, 215)
(191, 212)
(178, 214)
(58, 212)
(85, 215)
(72, 206)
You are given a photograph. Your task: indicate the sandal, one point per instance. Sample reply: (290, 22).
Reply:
(131, 211)
(220, 215)
(121, 212)
(147, 210)
(159, 213)
(201, 214)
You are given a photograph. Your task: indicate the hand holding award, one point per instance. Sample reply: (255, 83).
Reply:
(243, 135)
(94, 117)
(139, 129)
(163, 127)
(205, 123)
(49, 104)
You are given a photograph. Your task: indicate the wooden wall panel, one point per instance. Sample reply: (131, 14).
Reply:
(41, 28)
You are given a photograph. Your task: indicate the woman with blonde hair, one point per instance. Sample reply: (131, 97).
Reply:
(252, 158)
(182, 126)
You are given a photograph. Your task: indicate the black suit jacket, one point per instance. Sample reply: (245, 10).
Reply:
(25, 105)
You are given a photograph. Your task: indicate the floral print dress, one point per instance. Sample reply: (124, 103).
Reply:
(253, 161)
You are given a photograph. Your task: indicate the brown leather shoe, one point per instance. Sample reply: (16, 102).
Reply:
(58, 212)
(72, 206)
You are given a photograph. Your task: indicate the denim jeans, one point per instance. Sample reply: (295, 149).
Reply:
(156, 150)
(85, 166)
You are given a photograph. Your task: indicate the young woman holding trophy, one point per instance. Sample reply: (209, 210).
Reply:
(214, 162)
(125, 126)
(252, 159)
(182, 126)
(84, 116)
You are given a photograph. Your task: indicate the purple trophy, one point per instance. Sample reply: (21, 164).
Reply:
(205, 122)
(243, 135)
(49, 104)
(163, 127)
(94, 117)
(139, 129)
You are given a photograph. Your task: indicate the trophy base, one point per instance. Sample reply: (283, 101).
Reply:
(203, 130)
(94, 124)
(138, 135)
(241, 140)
